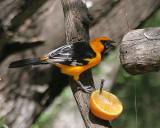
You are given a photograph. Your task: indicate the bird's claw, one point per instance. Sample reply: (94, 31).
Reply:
(87, 89)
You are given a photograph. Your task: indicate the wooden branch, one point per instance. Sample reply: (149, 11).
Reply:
(10, 48)
(140, 51)
(114, 24)
(77, 26)
(100, 9)
(14, 16)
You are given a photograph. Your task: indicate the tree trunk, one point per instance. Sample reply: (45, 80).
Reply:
(77, 29)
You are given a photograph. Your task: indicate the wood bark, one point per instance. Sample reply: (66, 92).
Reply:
(25, 93)
(124, 16)
(77, 29)
(140, 51)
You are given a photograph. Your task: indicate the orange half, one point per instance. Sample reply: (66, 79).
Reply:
(105, 105)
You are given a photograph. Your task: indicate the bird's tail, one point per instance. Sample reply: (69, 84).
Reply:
(27, 62)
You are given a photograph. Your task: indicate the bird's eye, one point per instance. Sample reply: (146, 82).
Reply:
(106, 43)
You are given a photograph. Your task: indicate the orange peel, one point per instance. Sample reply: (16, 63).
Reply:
(105, 105)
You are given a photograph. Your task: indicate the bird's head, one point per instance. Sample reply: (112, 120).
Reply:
(107, 43)
(103, 44)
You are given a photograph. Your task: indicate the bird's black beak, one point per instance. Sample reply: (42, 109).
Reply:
(113, 44)
(109, 45)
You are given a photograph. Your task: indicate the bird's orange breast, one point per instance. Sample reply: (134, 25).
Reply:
(75, 71)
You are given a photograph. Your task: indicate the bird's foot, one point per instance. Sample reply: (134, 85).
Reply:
(87, 89)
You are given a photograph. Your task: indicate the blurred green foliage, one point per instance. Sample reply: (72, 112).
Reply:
(153, 21)
(140, 97)
(2, 123)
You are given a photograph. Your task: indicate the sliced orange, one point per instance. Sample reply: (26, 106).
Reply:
(105, 105)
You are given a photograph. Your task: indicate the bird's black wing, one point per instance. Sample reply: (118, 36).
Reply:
(75, 54)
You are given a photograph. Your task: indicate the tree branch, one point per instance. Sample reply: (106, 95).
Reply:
(114, 24)
(140, 51)
(77, 26)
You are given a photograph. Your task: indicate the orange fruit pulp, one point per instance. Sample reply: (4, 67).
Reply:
(105, 105)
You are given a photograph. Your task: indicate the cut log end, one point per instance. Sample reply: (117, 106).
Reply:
(140, 51)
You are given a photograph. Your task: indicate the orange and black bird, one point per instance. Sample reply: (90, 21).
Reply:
(73, 59)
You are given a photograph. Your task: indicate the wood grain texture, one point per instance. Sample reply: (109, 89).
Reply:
(115, 25)
(77, 29)
(140, 51)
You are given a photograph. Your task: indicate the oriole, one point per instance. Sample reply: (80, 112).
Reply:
(72, 59)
